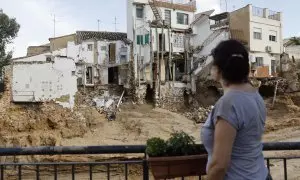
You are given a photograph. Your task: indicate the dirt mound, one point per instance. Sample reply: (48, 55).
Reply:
(285, 113)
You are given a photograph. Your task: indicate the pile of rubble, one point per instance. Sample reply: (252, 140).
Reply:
(199, 115)
(108, 105)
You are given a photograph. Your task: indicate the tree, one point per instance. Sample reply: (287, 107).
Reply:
(295, 41)
(9, 29)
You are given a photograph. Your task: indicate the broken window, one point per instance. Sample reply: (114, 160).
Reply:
(259, 61)
(257, 34)
(123, 59)
(90, 47)
(182, 18)
(179, 41)
(112, 52)
(140, 11)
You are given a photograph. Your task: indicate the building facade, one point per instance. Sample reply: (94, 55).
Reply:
(262, 32)
(158, 30)
(87, 59)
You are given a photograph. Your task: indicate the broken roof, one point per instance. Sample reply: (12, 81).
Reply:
(219, 17)
(202, 14)
(102, 35)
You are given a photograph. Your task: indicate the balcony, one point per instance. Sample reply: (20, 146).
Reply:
(265, 13)
(183, 5)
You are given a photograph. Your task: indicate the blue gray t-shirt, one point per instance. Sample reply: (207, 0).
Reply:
(246, 112)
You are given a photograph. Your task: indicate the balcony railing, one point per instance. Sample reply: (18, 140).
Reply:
(256, 11)
(117, 169)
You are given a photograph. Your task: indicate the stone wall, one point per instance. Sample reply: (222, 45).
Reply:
(172, 96)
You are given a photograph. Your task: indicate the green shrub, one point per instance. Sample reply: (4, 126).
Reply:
(179, 144)
(156, 147)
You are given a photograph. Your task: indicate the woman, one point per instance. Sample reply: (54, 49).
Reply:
(233, 131)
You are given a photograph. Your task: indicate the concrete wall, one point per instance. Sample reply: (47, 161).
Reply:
(40, 57)
(36, 50)
(61, 42)
(45, 81)
(240, 20)
(293, 51)
(201, 31)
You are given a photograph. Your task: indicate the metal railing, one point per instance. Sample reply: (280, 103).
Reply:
(104, 169)
(257, 11)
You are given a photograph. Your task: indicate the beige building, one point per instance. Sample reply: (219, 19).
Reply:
(261, 30)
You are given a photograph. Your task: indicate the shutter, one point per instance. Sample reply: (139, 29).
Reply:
(147, 37)
(138, 38)
(112, 52)
(142, 39)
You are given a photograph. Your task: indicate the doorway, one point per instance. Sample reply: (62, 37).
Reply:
(113, 75)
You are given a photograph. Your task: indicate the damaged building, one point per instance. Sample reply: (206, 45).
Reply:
(158, 30)
(86, 58)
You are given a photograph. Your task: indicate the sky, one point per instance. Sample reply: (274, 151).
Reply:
(37, 25)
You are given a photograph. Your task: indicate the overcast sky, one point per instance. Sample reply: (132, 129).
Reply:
(36, 16)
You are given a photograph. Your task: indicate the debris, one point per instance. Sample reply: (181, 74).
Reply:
(109, 103)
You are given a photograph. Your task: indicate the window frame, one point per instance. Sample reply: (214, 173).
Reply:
(259, 61)
(90, 47)
(272, 38)
(257, 33)
(184, 15)
(137, 9)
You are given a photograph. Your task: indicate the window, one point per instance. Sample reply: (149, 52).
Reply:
(168, 17)
(123, 59)
(259, 61)
(182, 18)
(139, 11)
(90, 47)
(273, 36)
(257, 33)
(140, 39)
(103, 48)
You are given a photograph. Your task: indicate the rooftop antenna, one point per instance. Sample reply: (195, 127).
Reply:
(99, 21)
(54, 23)
(115, 23)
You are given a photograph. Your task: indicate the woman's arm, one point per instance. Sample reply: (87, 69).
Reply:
(223, 141)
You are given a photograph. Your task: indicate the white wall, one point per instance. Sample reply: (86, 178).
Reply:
(40, 57)
(267, 58)
(39, 82)
(293, 51)
(87, 56)
(201, 31)
(266, 25)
